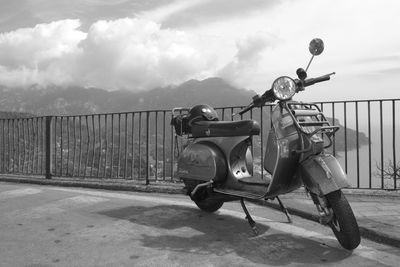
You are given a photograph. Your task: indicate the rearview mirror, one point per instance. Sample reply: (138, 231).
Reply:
(316, 46)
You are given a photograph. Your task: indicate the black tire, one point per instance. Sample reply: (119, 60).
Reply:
(203, 201)
(209, 205)
(343, 224)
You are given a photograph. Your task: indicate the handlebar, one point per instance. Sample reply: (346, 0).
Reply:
(269, 96)
(251, 106)
(259, 101)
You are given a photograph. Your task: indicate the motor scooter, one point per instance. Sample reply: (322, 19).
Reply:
(216, 164)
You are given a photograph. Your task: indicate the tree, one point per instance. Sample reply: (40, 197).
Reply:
(390, 172)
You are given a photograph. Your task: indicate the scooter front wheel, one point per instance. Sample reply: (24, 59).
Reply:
(343, 224)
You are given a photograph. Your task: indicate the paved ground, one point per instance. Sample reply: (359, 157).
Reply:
(63, 226)
(377, 212)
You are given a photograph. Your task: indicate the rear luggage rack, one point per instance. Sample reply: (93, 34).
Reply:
(179, 121)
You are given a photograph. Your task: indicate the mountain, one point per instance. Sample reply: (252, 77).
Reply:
(77, 100)
(18, 103)
(351, 137)
(15, 115)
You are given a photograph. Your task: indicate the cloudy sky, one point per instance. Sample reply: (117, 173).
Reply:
(139, 45)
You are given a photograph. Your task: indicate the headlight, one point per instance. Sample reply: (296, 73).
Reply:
(284, 88)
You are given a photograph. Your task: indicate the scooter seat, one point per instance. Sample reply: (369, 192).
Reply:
(225, 128)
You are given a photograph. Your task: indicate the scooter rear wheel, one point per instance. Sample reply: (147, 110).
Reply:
(343, 224)
(209, 205)
(203, 200)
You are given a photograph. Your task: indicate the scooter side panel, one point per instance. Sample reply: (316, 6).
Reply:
(202, 161)
(322, 174)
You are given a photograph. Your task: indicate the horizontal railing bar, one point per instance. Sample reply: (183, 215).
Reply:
(357, 101)
(218, 107)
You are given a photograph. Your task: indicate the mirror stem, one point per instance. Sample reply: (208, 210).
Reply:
(309, 63)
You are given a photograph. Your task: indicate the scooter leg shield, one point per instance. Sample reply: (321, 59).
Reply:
(322, 174)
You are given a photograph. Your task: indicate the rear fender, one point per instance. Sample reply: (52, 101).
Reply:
(322, 174)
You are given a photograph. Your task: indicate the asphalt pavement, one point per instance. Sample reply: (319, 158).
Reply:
(65, 226)
(377, 211)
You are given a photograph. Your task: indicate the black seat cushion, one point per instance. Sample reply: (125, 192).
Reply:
(225, 128)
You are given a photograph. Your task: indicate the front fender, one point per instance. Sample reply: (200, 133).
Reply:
(322, 174)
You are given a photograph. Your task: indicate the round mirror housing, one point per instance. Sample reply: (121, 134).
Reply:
(316, 46)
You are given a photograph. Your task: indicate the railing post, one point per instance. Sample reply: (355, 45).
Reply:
(48, 158)
(147, 146)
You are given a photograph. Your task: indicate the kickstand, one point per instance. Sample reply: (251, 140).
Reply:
(284, 209)
(249, 218)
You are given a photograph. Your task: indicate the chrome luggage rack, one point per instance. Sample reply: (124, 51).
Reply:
(179, 121)
(310, 120)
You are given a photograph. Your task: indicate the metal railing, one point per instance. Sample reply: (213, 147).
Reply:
(142, 145)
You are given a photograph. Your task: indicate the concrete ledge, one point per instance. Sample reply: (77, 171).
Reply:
(107, 184)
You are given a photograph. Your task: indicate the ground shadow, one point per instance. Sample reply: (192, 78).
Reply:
(186, 229)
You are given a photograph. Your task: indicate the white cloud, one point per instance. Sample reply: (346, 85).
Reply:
(127, 53)
(352, 31)
(136, 53)
(245, 62)
(38, 55)
(140, 53)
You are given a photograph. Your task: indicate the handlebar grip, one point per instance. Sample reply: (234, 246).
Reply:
(312, 81)
(259, 101)
(246, 109)
(269, 96)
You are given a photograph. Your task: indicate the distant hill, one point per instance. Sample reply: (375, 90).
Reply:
(77, 100)
(15, 115)
(18, 103)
